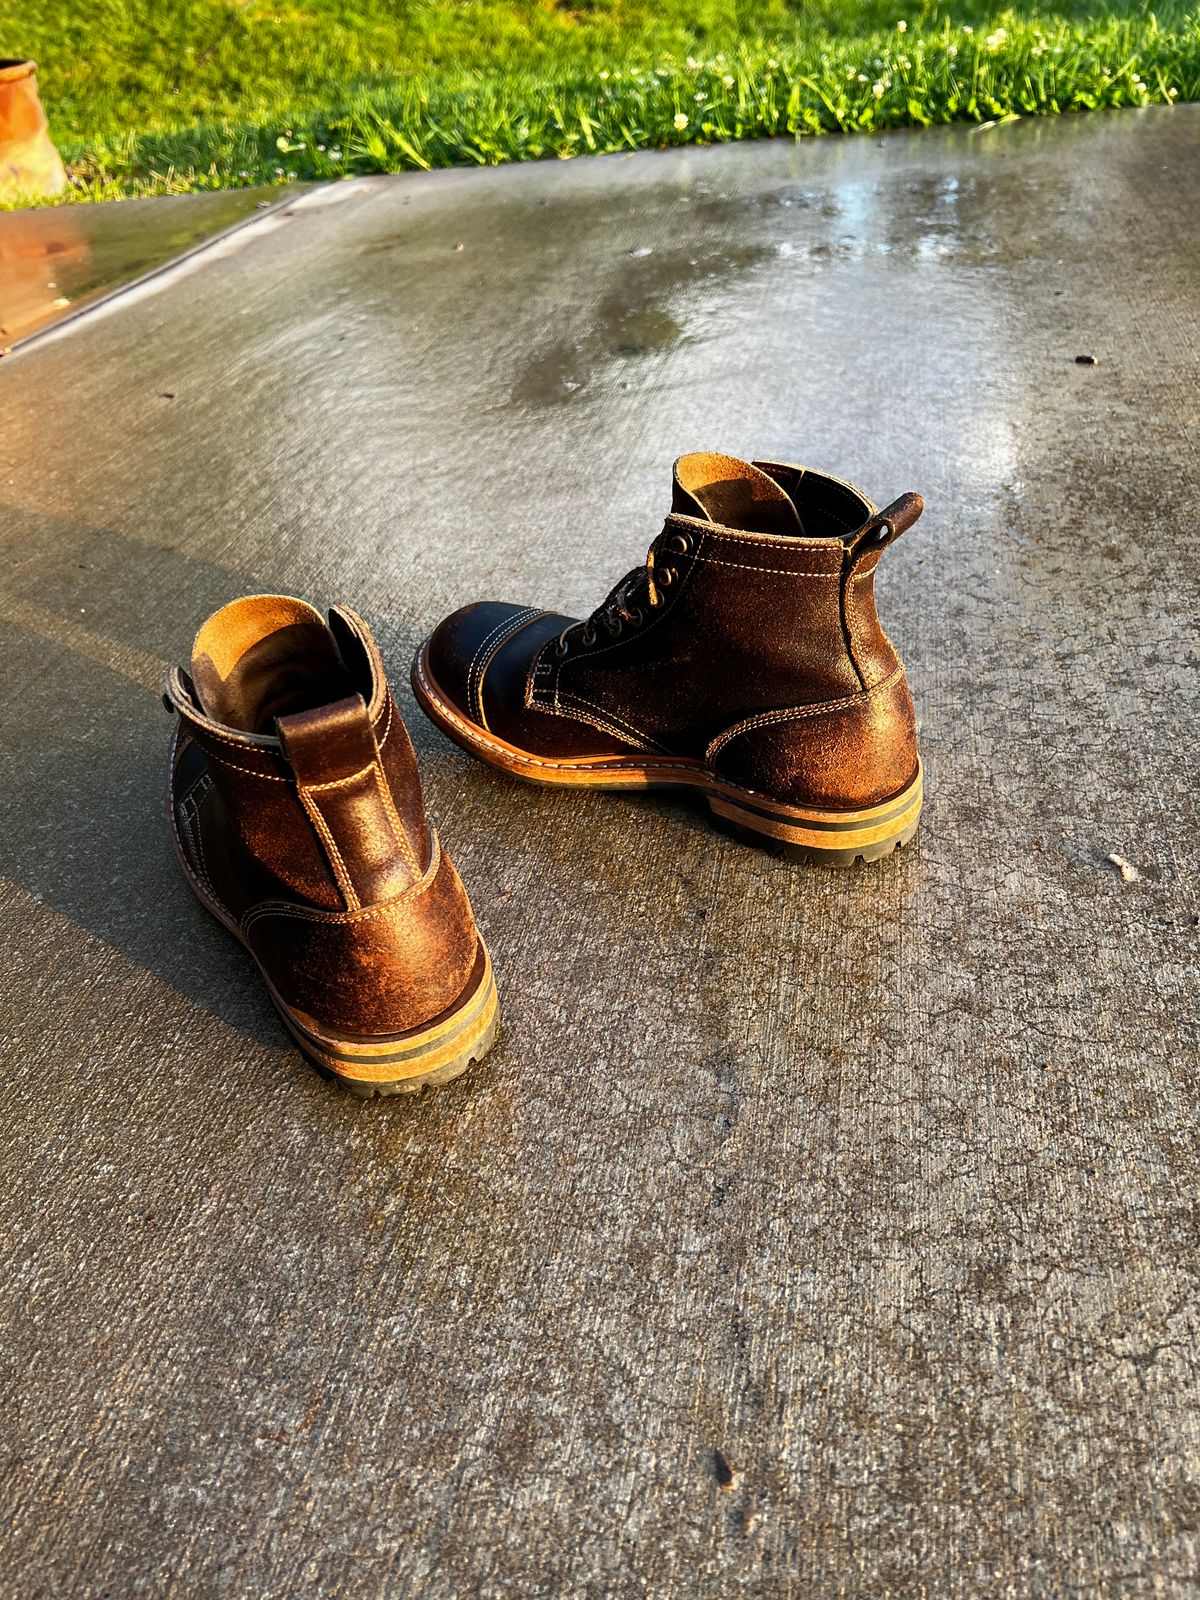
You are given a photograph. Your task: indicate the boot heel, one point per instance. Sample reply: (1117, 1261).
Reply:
(836, 838)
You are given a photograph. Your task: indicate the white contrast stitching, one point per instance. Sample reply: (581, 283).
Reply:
(629, 734)
(478, 668)
(499, 627)
(381, 739)
(516, 625)
(778, 541)
(270, 777)
(280, 908)
(477, 735)
(338, 783)
(340, 871)
(776, 572)
(393, 816)
(795, 713)
(172, 756)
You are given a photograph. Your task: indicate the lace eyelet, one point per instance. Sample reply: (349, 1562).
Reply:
(666, 577)
(614, 629)
(680, 544)
(560, 649)
(637, 616)
(588, 636)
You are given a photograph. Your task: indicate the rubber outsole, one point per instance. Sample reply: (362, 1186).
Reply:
(425, 1057)
(831, 838)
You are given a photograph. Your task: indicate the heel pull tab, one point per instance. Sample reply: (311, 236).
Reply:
(871, 650)
(884, 528)
(342, 786)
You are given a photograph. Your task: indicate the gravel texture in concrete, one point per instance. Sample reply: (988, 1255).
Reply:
(811, 1233)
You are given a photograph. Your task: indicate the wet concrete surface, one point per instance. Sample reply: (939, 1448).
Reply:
(56, 260)
(880, 1182)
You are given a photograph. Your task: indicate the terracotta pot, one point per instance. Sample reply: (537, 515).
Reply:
(29, 163)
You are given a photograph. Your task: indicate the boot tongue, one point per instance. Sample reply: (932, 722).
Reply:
(733, 493)
(264, 657)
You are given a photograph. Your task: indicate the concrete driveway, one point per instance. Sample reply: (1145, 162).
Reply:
(882, 1183)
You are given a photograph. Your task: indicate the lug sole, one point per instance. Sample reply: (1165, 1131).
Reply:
(425, 1057)
(832, 838)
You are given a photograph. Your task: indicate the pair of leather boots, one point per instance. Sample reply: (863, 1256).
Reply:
(744, 660)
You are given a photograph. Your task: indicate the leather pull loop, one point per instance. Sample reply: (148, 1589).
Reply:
(330, 742)
(885, 527)
(341, 784)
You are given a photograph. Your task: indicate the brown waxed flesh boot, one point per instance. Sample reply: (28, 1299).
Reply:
(296, 811)
(744, 660)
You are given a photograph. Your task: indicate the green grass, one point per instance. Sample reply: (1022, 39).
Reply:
(211, 93)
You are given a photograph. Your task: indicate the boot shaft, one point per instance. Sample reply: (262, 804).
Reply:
(750, 619)
(315, 774)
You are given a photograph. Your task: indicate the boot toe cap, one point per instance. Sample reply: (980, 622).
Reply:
(463, 648)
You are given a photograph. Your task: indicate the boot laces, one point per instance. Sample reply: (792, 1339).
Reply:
(638, 592)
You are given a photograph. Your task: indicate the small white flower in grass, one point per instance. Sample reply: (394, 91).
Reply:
(862, 78)
(995, 40)
(967, 28)
(1172, 94)
(692, 64)
(952, 51)
(321, 149)
(681, 122)
(728, 80)
(771, 63)
(700, 99)
(902, 26)
(604, 74)
(877, 89)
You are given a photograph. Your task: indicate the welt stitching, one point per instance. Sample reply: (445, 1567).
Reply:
(363, 914)
(795, 713)
(475, 733)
